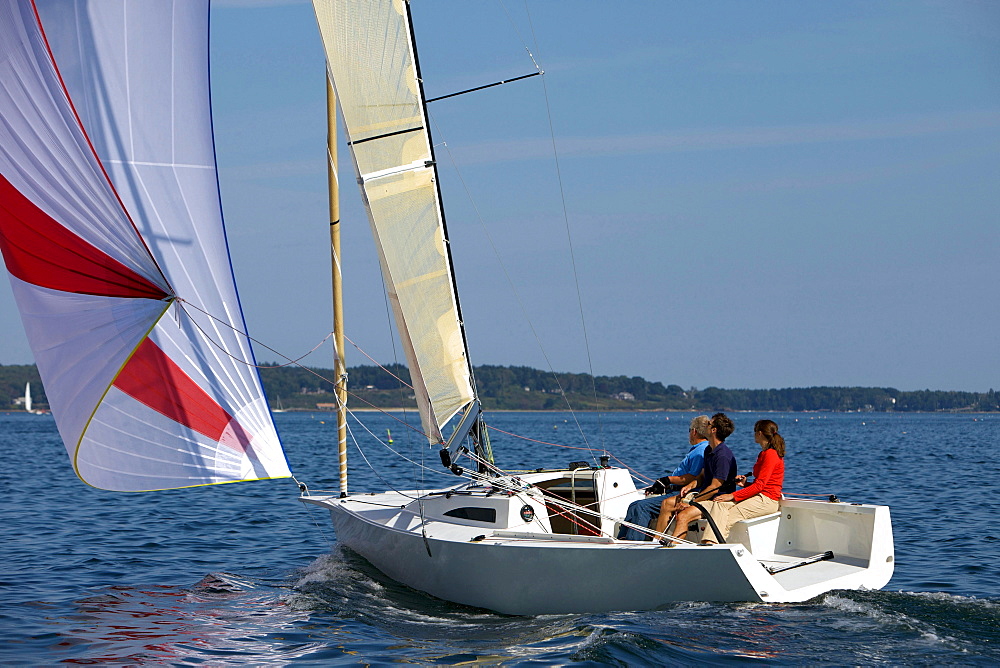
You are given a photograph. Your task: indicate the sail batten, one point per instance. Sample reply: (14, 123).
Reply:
(110, 222)
(380, 97)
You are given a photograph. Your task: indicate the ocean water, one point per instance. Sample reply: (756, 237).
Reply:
(245, 574)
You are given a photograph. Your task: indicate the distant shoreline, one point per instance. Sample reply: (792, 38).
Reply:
(524, 389)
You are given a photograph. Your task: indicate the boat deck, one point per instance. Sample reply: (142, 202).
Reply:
(813, 573)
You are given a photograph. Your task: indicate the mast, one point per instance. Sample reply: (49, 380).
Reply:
(339, 367)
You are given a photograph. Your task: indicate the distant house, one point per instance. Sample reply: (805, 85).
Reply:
(623, 396)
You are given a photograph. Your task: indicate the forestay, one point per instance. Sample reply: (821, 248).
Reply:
(380, 96)
(111, 230)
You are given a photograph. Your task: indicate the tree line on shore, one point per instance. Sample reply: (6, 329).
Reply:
(525, 388)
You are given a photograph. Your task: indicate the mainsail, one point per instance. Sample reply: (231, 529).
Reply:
(111, 230)
(380, 96)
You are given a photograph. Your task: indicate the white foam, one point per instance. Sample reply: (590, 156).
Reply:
(882, 617)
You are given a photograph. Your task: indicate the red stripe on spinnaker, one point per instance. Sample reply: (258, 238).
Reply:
(155, 380)
(39, 250)
(86, 135)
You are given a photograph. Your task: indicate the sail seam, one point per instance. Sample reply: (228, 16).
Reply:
(86, 426)
(97, 158)
(158, 164)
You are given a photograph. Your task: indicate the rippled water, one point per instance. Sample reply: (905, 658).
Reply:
(244, 574)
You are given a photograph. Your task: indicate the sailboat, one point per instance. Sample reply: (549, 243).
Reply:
(112, 234)
(541, 542)
(111, 231)
(29, 403)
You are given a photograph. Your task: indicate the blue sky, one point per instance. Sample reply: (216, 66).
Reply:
(758, 194)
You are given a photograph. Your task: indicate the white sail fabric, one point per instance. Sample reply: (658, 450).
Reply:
(370, 58)
(107, 159)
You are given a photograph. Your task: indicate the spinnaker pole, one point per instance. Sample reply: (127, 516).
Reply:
(339, 367)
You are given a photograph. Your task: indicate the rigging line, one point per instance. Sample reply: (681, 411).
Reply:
(577, 447)
(383, 368)
(569, 236)
(518, 32)
(501, 484)
(517, 295)
(631, 470)
(402, 383)
(291, 362)
(322, 531)
(361, 452)
(569, 505)
(184, 303)
(386, 413)
(535, 440)
(386, 445)
(574, 518)
(485, 463)
(576, 508)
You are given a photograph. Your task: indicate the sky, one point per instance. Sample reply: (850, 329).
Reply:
(741, 195)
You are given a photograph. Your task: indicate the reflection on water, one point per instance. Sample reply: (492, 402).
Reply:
(223, 617)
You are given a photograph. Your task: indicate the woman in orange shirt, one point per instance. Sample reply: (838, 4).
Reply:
(763, 496)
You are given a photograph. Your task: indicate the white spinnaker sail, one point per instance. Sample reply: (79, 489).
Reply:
(379, 95)
(111, 230)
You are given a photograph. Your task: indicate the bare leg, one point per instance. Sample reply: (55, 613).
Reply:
(685, 517)
(667, 508)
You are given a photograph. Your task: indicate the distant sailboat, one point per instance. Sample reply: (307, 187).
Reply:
(29, 404)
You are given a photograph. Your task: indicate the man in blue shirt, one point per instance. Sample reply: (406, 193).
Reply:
(644, 511)
(718, 477)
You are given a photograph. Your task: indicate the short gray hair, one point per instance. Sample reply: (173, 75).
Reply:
(700, 425)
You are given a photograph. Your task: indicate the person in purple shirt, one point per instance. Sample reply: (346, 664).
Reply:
(717, 477)
(644, 511)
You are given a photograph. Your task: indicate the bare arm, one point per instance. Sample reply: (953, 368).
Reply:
(710, 491)
(691, 484)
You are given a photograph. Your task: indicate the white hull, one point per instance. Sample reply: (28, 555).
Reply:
(522, 568)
